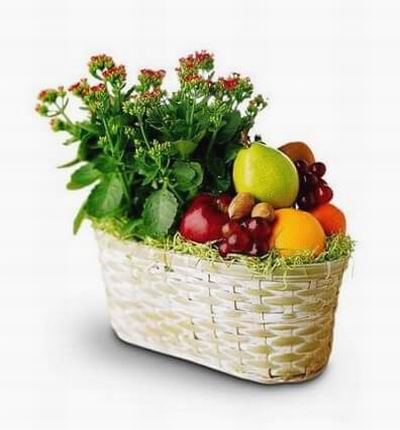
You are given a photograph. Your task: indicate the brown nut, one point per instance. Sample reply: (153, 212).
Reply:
(241, 206)
(263, 210)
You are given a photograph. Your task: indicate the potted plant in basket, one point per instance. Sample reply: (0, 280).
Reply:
(214, 248)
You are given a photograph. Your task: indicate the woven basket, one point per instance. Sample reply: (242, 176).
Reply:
(271, 329)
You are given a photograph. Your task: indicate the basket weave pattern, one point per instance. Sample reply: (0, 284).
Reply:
(267, 329)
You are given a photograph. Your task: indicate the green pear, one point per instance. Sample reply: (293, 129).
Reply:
(266, 173)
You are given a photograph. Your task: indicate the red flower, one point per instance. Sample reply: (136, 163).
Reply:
(192, 78)
(50, 95)
(203, 56)
(202, 60)
(187, 62)
(74, 87)
(42, 95)
(153, 74)
(80, 88)
(238, 87)
(152, 94)
(98, 89)
(115, 74)
(100, 63)
(150, 79)
(229, 84)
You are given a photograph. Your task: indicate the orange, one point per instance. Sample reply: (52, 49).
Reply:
(295, 231)
(331, 218)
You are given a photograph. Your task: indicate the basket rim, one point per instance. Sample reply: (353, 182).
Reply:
(221, 265)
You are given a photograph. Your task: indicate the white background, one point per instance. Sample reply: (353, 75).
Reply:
(331, 70)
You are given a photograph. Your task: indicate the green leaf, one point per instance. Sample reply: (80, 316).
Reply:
(159, 212)
(150, 173)
(80, 216)
(119, 120)
(228, 131)
(70, 140)
(188, 175)
(199, 136)
(220, 177)
(105, 164)
(183, 174)
(231, 151)
(91, 128)
(84, 148)
(184, 147)
(198, 179)
(105, 197)
(83, 177)
(69, 164)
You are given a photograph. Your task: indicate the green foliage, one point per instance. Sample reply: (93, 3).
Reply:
(230, 126)
(105, 198)
(146, 152)
(159, 212)
(105, 164)
(80, 216)
(83, 177)
(187, 175)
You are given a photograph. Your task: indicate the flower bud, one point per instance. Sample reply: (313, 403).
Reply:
(41, 109)
(98, 63)
(116, 76)
(57, 124)
(48, 96)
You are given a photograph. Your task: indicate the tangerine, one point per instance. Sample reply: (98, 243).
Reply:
(295, 231)
(331, 218)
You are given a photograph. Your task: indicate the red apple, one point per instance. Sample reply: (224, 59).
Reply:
(204, 218)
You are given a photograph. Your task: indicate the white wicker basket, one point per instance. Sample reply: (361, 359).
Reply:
(271, 329)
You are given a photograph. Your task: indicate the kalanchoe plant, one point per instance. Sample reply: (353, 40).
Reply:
(146, 152)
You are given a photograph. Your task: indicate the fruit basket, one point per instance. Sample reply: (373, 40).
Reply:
(215, 247)
(269, 329)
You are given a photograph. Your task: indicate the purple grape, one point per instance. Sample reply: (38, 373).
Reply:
(318, 168)
(301, 166)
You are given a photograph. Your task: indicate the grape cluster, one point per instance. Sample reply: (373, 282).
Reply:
(314, 191)
(249, 237)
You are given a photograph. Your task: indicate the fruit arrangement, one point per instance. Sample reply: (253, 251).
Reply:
(182, 164)
(281, 203)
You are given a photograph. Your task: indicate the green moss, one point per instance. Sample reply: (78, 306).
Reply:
(337, 247)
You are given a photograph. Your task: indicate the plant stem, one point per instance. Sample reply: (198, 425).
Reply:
(189, 135)
(175, 193)
(118, 98)
(211, 144)
(108, 135)
(214, 135)
(125, 186)
(140, 119)
(61, 111)
(65, 116)
(120, 173)
(130, 91)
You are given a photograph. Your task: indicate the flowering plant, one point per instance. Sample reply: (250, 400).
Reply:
(147, 152)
